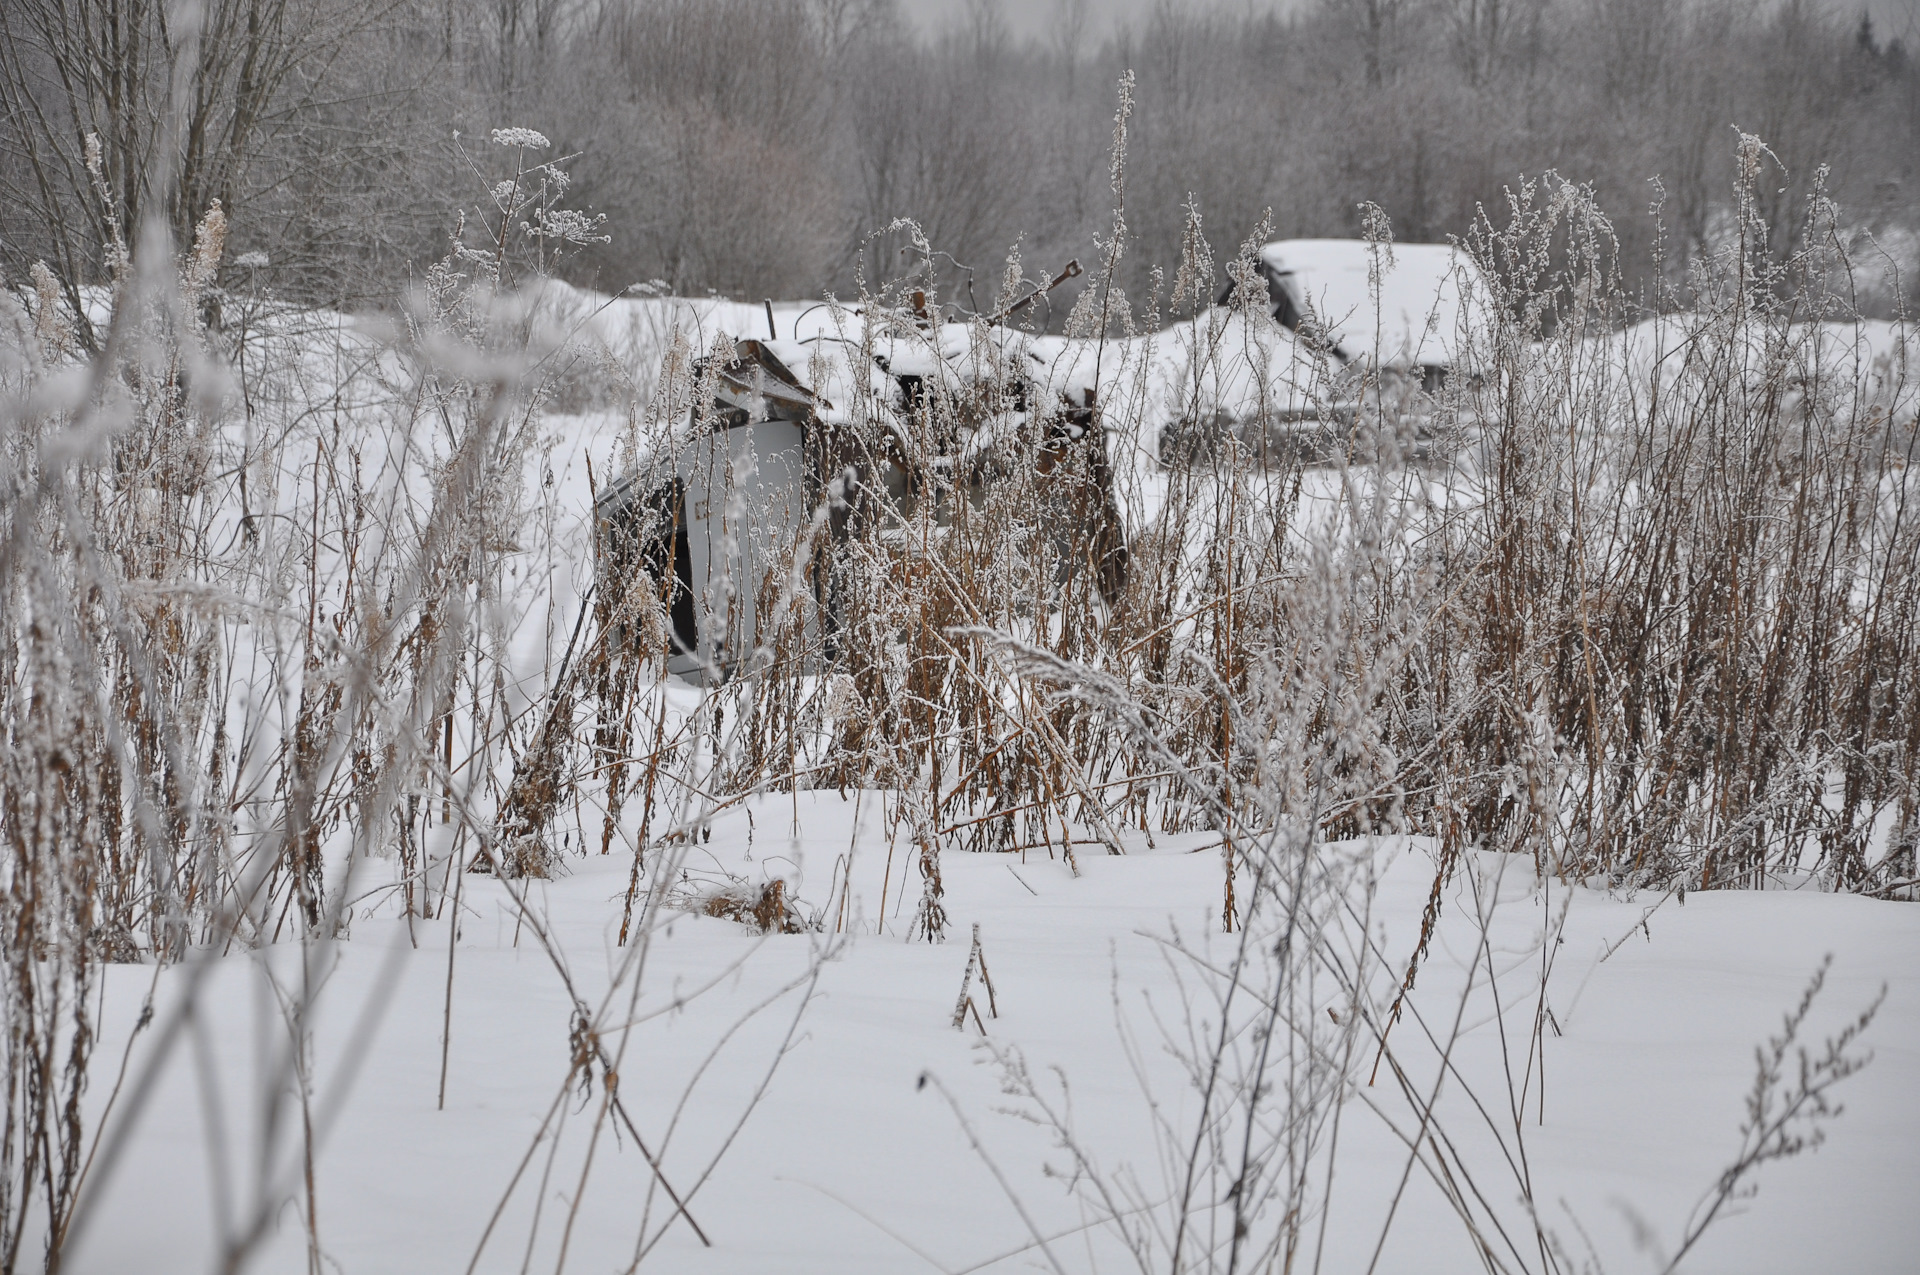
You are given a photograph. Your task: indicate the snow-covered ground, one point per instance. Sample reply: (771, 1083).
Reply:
(848, 1163)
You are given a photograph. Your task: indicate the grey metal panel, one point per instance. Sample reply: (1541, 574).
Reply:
(747, 508)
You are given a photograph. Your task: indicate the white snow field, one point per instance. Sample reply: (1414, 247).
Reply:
(848, 1163)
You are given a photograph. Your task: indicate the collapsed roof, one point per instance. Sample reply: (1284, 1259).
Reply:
(758, 385)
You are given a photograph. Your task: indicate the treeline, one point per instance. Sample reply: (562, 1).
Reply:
(761, 147)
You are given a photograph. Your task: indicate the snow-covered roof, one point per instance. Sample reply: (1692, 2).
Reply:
(1426, 298)
(1218, 363)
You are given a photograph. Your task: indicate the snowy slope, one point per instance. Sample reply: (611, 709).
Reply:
(849, 1165)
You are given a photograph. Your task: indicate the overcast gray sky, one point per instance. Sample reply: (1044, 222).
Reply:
(1041, 17)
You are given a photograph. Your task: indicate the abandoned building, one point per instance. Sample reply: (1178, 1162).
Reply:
(711, 521)
(747, 510)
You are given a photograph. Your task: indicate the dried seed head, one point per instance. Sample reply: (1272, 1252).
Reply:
(209, 241)
(520, 139)
(50, 327)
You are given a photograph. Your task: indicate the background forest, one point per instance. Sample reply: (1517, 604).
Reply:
(755, 148)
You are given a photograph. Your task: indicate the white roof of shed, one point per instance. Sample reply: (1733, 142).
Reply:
(1428, 296)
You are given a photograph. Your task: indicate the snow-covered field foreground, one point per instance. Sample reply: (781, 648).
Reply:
(850, 1163)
